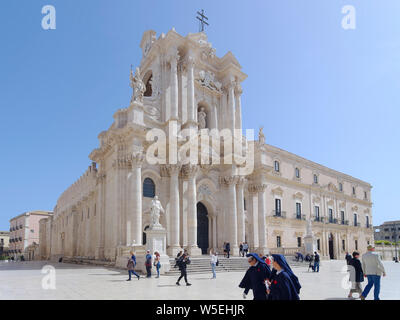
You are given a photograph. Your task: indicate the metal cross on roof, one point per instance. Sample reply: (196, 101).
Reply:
(202, 20)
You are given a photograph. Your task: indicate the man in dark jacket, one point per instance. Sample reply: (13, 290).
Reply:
(228, 248)
(316, 262)
(182, 263)
(356, 274)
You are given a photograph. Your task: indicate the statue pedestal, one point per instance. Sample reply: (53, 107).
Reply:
(156, 240)
(310, 245)
(123, 255)
(137, 113)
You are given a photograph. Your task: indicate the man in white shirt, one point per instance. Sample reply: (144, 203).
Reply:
(214, 260)
(373, 270)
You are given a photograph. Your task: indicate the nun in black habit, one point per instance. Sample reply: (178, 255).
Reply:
(284, 285)
(255, 277)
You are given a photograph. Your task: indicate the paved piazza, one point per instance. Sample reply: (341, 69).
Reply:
(24, 281)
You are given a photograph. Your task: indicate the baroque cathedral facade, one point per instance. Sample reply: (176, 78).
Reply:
(182, 84)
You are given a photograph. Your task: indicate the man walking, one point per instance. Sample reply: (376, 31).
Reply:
(182, 263)
(316, 262)
(373, 270)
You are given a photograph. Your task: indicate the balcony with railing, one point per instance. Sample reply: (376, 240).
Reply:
(300, 216)
(319, 219)
(279, 214)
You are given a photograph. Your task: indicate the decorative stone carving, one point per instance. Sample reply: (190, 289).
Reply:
(202, 118)
(138, 86)
(155, 210)
(227, 180)
(189, 171)
(298, 195)
(261, 137)
(255, 188)
(207, 79)
(277, 191)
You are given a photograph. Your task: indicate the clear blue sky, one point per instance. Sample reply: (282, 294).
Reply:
(327, 94)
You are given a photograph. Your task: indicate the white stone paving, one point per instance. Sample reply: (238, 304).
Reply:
(22, 280)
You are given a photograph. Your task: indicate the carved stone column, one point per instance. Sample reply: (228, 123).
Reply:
(174, 85)
(231, 103)
(262, 230)
(134, 217)
(238, 105)
(229, 182)
(173, 171)
(240, 209)
(190, 93)
(101, 178)
(253, 217)
(189, 173)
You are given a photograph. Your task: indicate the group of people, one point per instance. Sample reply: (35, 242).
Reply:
(370, 267)
(227, 249)
(243, 248)
(280, 283)
(148, 263)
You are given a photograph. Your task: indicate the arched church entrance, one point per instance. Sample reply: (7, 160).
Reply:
(331, 254)
(202, 228)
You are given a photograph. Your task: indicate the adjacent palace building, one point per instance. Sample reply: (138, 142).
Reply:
(181, 81)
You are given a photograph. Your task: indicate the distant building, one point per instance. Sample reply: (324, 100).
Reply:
(389, 231)
(24, 231)
(4, 242)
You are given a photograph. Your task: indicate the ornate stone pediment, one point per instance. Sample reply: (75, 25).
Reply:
(330, 202)
(354, 208)
(316, 199)
(277, 191)
(298, 195)
(342, 204)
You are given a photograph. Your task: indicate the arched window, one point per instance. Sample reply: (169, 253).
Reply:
(149, 188)
(297, 172)
(149, 89)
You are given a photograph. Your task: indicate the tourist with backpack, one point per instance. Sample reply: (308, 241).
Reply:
(131, 266)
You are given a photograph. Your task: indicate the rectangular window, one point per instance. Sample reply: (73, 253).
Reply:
(356, 244)
(355, 220)
(340, 187)
(278, 241)
(318, 244)
(343, 245)
(298, 210)
(342, 216)
(316, 211)
(244, 203)
(298, 242)
(330, 215)
(367, 218)
(315, 178)
(278, 207)
(276, 163)
(365, 195)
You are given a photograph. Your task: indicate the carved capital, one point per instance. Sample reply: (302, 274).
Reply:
(241, 181)
(137, 159)
(255, 188)
(189, 171)
(226, 181)
(169, 170)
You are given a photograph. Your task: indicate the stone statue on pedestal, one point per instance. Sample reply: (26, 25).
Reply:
(138, 86)
(202, 118)
(261, 137)
(156, 208)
